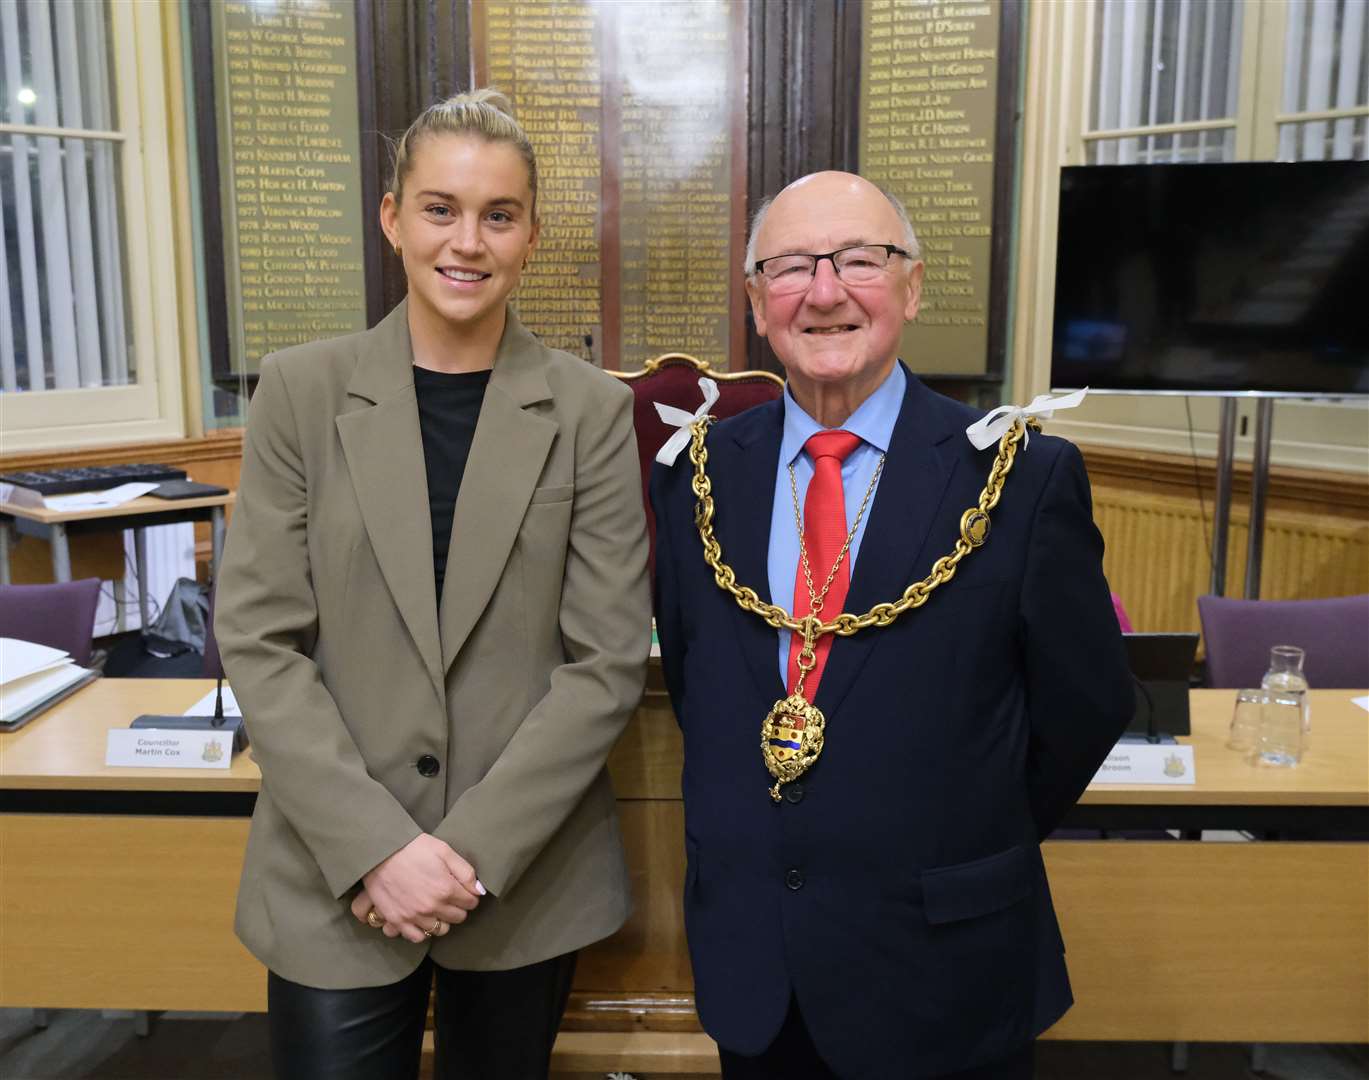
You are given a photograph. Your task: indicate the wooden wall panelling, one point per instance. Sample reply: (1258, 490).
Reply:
(989, 392)
(802, 105)
(206, 118)
(1158, 529)
(647, 956)
(211, 459)
(410, 54)
(640, 978)
(98, 555)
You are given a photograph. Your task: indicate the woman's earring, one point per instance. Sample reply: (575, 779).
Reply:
(399, 251)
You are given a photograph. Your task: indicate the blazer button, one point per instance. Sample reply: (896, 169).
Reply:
(794, 879)
(428, 765)
(794, 793)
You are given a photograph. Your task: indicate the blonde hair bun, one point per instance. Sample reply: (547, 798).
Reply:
(486, 113)
(486, 95)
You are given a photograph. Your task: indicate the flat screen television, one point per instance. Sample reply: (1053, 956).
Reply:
(1214, 279)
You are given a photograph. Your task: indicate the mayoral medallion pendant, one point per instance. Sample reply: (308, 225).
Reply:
(791, 739)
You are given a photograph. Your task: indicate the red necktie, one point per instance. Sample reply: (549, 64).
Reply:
(824, 531)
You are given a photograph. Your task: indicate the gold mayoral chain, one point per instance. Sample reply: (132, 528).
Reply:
(793, 733)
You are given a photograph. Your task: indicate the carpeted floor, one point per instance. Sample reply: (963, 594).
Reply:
(191, 1046)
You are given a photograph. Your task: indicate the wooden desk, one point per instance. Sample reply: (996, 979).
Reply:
(1334, 772)
(119, 883)
(56, 526)
(1250, 942)
(119, 886)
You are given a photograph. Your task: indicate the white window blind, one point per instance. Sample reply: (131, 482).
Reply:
(63, 316)
(1166, 74)
(1325, 75)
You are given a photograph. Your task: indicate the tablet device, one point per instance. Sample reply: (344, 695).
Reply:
(1162, 666)
(185, 489)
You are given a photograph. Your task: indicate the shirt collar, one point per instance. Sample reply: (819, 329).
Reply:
(873, 421)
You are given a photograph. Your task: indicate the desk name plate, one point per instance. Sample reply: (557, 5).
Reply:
(1147, 763)
(160, 748)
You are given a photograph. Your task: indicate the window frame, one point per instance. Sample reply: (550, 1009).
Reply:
(1056, 119)
(152, 406)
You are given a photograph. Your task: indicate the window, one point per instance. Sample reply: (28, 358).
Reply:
(1212, 80)
(88, 331)
(1158, 81)
(1170, 71)
(1324, 112)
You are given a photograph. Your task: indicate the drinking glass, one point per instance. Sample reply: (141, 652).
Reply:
(1280, 740)
(1285, 673)
(1245, 720)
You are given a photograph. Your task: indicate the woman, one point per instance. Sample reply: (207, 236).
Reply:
(434, 611)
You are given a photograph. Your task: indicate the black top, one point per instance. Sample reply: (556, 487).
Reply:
(448, 407)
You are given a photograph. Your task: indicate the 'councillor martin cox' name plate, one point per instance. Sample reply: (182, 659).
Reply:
(159, 748)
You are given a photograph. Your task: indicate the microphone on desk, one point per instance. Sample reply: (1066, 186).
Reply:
(218, 722)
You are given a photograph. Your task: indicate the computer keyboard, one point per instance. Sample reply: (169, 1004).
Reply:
(90, 477)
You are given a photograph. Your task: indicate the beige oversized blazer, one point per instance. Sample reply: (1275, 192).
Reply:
(348, 673)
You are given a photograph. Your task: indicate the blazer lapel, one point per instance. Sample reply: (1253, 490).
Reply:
(917, 470)
(742, 467)
(508, 452)
(383, 446)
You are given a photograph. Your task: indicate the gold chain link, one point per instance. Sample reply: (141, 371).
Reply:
(844, 624)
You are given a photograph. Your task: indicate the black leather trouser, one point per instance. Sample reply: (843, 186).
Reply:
(489, 1025)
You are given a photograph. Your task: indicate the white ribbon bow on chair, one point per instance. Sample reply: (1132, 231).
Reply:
(678, 418)
(992, 426)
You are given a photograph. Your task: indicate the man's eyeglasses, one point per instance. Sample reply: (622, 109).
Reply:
(859, 265)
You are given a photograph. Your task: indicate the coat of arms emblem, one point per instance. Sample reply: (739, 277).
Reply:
(791, 738)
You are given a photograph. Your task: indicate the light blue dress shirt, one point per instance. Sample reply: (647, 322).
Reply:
(874, 423)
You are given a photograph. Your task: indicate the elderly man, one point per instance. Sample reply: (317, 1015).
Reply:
(865, 895)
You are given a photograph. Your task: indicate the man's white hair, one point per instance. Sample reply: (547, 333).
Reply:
(910, 244)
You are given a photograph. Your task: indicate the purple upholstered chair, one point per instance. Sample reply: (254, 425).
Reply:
(61, 616)
(1334, 633)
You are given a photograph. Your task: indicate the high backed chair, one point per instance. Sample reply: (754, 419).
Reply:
(673, 379)
(1240, 633)
(61, 615)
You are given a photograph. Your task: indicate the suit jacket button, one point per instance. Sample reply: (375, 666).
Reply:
(794, 879)
(794, 793)
(428, 765)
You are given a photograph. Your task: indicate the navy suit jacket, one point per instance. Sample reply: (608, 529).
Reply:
(898, 892)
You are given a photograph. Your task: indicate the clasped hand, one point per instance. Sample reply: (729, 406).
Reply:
(420, 891)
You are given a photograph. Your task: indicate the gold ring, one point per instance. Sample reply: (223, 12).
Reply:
(373, 919)
(432, 930)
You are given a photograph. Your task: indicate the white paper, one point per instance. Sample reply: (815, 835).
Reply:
(205, 706)
(1147, 763)
(20, 695)
(19, 658)
(92, 500)
(1362, 702)
(159, 748)
(19, 496)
